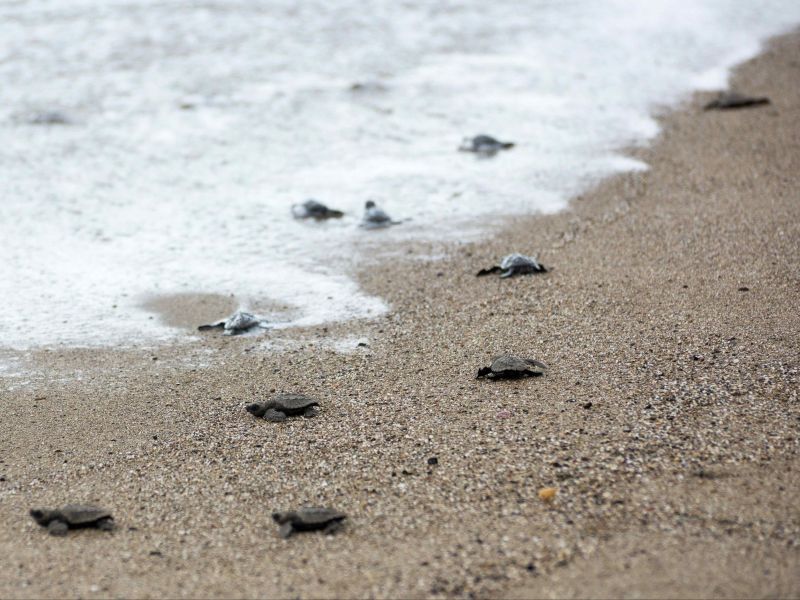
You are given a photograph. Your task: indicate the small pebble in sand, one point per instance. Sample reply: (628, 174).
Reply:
(547, 494)
(433, 460)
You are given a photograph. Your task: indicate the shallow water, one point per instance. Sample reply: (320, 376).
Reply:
(194, 126)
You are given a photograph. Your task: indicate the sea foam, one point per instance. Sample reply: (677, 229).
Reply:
(193, 128)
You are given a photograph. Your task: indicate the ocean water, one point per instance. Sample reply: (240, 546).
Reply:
(192, 127)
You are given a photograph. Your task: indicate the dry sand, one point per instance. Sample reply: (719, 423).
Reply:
(669, 419)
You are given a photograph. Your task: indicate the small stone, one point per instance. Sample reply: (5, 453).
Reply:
(547, 494)
(744, 289)
(588, 405)
(433, 460)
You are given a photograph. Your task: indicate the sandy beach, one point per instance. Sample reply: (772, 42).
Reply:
(668, 419)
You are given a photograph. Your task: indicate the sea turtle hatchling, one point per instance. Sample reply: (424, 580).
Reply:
(308, 519)
(237, 323)
(284, 405)
(375, 217)
(73, 516)
(484, 144)
(315, 210)
(730, 100)
(515, 264)
(508, 366)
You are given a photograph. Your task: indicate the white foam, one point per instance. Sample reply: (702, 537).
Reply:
(197, 126)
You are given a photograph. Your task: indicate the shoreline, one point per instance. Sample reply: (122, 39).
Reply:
(668, 419)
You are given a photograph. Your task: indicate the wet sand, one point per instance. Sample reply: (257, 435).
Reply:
(669, 418)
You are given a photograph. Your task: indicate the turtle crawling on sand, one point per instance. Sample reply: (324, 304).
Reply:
(508, 366)
(375, 217)
(284, 405)
(73, 516)
(315, 210)
(515, 264)
(730, 100)
(237, 323)
(484, 144)
(309, 519)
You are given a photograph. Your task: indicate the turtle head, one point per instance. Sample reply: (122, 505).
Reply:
(484, 372)
(41, 516)
(281, 517)
(257, 409)
(369, 204)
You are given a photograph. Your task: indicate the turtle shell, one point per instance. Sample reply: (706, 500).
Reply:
(291, 402)
(240, 321)
(519, 260)
(80, 514)
(317, 516)
(510, 363)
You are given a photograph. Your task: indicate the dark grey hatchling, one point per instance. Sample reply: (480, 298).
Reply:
(73, 516)
(508, 366)
(239, 322)
(731, 100)
(375, 217)
(309, 519)
(284, 405)
(484, 144)
(315, 210)
(515, 264)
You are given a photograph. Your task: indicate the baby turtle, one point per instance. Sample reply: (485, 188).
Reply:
(315, 210)
(730, 100)
(237, 323)
(73, 516)
(484, 144)
(308, 519)
(508, 366)
(515, 264)
(284, 405)
(375, 217)
(50, 118)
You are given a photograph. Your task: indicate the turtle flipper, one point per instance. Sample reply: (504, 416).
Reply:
(484, 372)
(286, 530)
(210, 326)
(509, 273)
(332, 527)
(57, 527)
(488, 271)
(275, 416)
